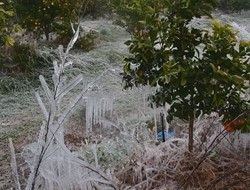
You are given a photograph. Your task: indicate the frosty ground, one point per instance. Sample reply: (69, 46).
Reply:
(21, 118)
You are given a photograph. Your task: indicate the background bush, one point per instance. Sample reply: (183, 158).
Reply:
(25, 57)
(88, 41)
(130, 12)
(234, 5)
(95, 8)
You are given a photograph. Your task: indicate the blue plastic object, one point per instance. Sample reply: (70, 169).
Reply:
(168, 135)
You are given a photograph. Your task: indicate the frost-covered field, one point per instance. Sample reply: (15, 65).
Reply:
(124, 136)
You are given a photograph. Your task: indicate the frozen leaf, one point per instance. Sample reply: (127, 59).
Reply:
(73, 40)
(42, 106)
(72, 84)
(48, 92)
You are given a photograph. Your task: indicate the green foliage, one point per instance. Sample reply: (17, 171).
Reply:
(195, 70)
(234, 5)
(46, 16)
(5, 26)
(131, 12)
(95, 8)
(22, 59)
(87, 42)
(25, 56)
(64, 34)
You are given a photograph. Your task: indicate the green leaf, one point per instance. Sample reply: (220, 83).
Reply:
(17, 28)
(9, 41)
(166, 68)
(213, 67)
(142, 22)
(10, 13)
(222, 72)
(216, 23)
(237, 79)
(183, 80)
(126, 68)
(154, 82)
(145, 59)
(153, 35)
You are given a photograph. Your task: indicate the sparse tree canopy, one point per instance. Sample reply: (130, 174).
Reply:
(195, 70)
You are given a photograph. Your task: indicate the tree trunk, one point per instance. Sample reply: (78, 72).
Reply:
(47, 31)
(162, 128)
(191, 134)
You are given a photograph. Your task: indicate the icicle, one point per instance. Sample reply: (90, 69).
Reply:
(155, 120)
(245, 141)
(56, 71)
(89, 115)
(165, 112)
(95, 110)
(146, 92)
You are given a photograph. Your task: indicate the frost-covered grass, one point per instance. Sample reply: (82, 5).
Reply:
(122, 145)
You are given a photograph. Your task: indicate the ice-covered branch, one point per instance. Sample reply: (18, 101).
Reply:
(14, 165)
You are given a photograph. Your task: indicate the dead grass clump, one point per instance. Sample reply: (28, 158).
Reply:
(170, 166)
(233, 179)
(153, 166)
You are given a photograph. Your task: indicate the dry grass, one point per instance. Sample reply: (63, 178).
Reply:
(169, 166)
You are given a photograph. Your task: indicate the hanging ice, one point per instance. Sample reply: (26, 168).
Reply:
(96, 107)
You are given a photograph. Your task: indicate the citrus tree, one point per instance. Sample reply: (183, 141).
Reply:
(131, 12)
(46, 16)
(194, 70)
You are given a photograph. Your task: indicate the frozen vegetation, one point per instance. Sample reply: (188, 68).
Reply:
(94, 135)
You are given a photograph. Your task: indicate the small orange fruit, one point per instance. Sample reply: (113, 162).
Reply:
(228, 126)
